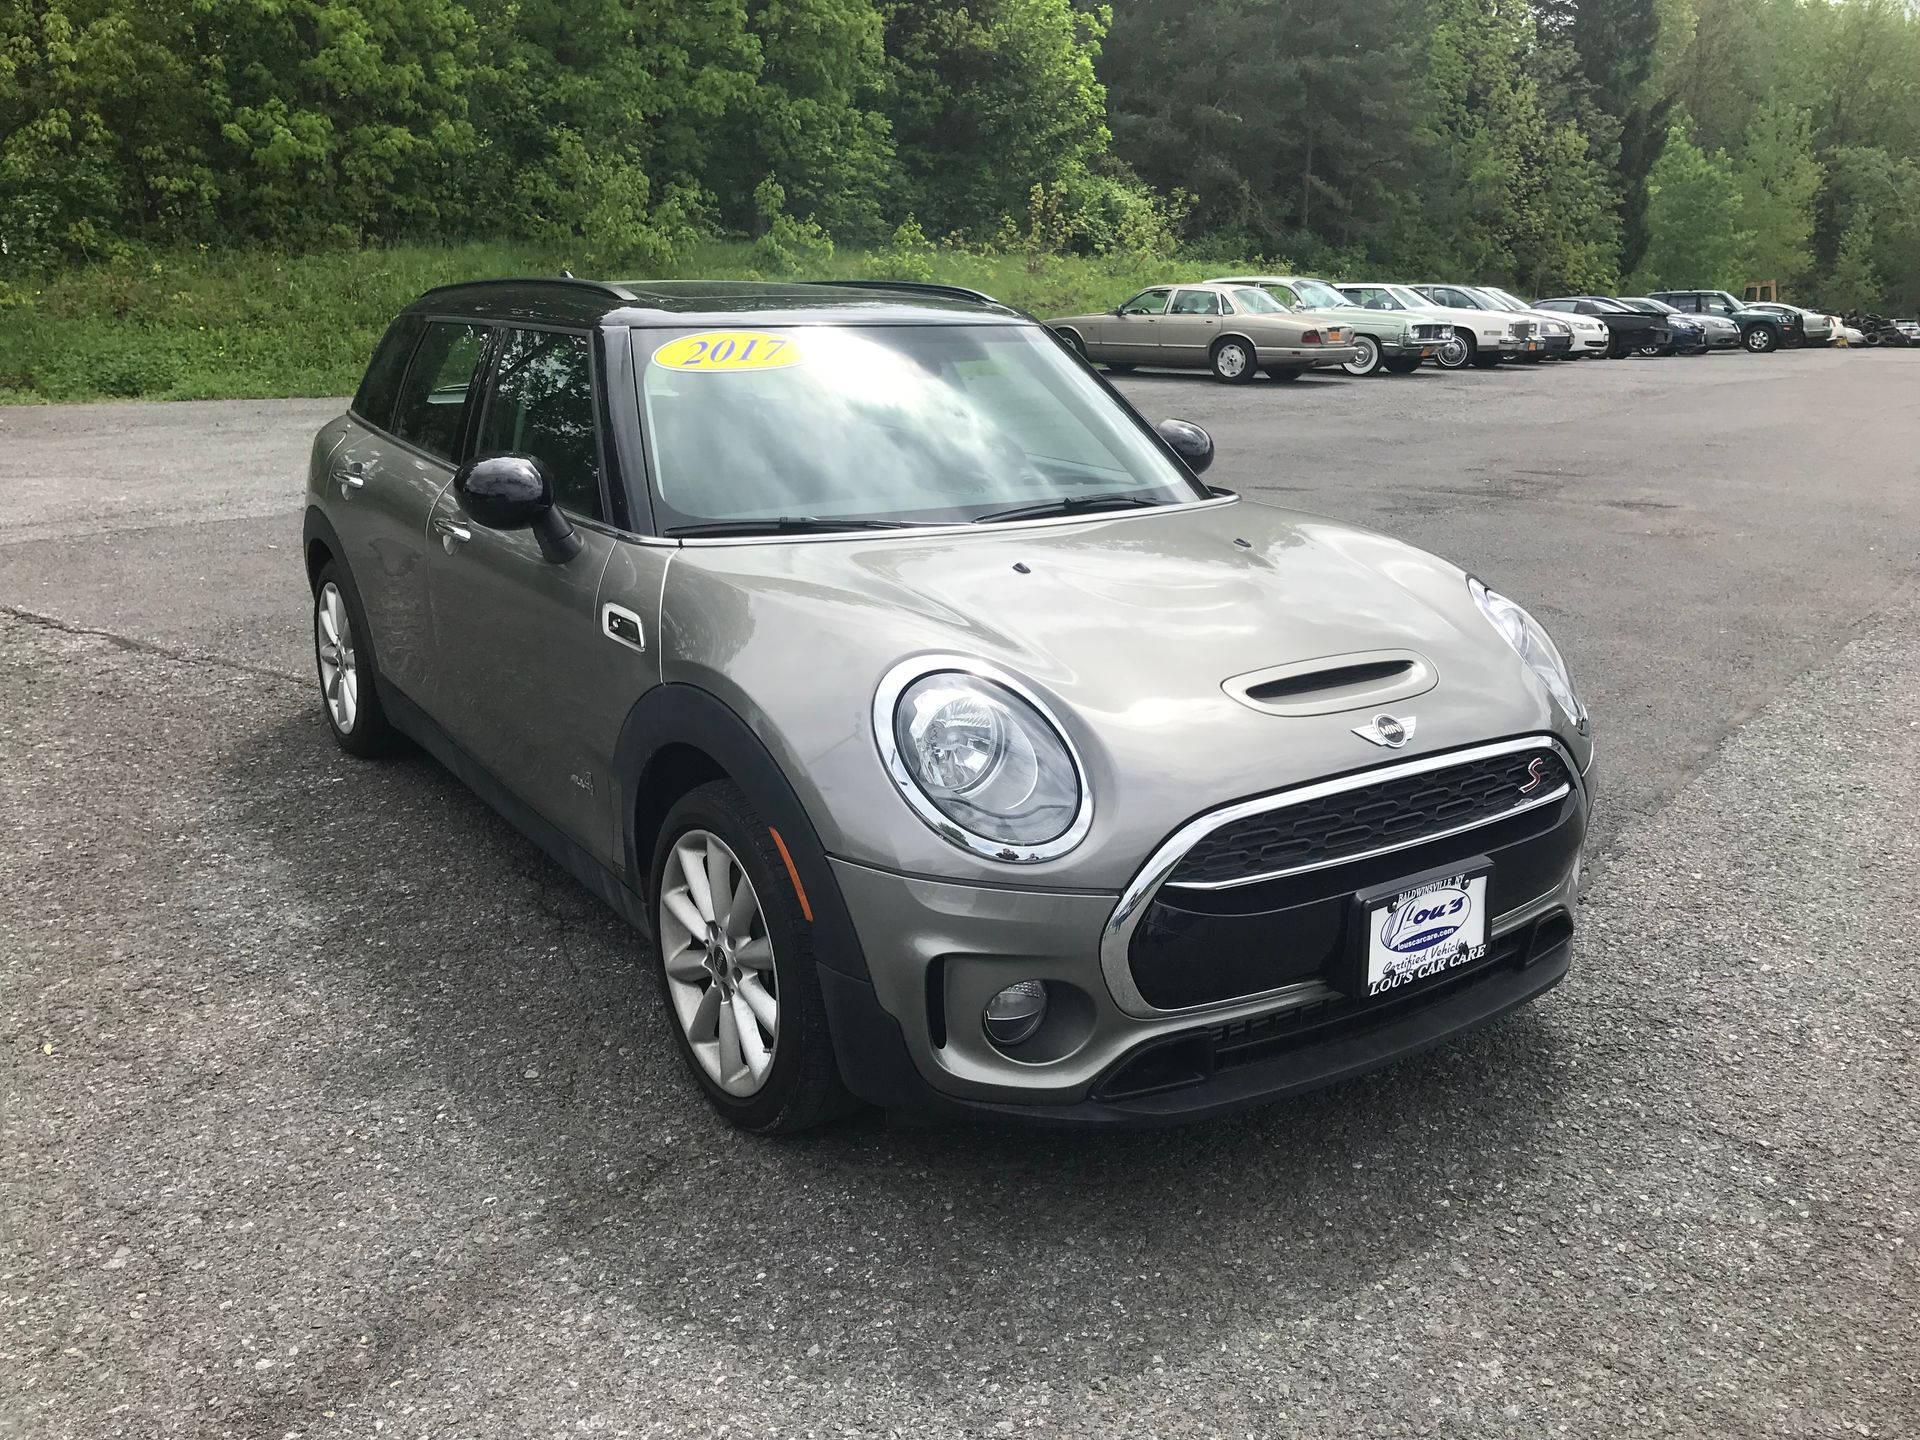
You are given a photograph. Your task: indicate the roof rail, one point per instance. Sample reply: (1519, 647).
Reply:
(599, 287)
(912, 287)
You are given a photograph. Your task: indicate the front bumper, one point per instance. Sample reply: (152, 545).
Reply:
(911, 1039)
(1316, 356)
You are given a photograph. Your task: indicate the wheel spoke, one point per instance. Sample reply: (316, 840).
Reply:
(706, 1018)
(690, 854)
(755, 954)
(739, 921)
(687, 913)
(720, 879)
(728, 1025)
(688, 966)
(764, 1008)
(752, 1048)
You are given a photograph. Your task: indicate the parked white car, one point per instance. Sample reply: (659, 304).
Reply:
(1590, 337)
(1486, 337)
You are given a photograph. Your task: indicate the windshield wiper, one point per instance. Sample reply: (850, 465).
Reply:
(785, 525)
(1067, 505)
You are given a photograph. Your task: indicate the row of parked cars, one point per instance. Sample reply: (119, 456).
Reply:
(1285, 325)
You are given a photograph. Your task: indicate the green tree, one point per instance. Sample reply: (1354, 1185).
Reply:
(1287, 120)
(1693, 219)
(988, 98)
(1853, 285)
(1779, 179)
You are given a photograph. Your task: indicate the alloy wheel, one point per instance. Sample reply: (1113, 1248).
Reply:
(719, 962)
(339, 667)
(1231, 361)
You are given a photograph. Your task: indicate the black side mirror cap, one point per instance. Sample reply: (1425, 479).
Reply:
(1188, 441)
(515, 492)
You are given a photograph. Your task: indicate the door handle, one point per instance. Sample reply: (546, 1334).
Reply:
(351, 476)
(452, 533)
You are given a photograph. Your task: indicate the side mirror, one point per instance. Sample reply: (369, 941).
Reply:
(1188, 441)
(515, 492)
(1121, 311)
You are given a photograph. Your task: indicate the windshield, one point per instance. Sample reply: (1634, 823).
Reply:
(1256, 302)
(915, 424)
(1501, 299)
(1611, 307)
(1316, 295)
(1657, 307)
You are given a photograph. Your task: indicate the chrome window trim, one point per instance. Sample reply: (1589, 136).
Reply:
(886, 700)
(1117, 935)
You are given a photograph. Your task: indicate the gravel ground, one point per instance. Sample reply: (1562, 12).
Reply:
(329, 1107)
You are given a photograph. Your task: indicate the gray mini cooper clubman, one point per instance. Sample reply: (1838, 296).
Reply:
(958, 749)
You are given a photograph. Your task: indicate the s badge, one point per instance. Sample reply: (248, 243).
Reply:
(1387, 730)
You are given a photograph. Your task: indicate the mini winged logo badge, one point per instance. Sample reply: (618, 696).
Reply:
(1387, 730)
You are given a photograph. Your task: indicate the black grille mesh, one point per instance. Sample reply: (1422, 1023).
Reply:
(1370, 817)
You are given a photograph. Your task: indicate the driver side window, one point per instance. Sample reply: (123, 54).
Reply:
(1147, 302)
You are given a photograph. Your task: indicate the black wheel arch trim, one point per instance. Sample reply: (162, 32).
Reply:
(677, 714)
(316, 528)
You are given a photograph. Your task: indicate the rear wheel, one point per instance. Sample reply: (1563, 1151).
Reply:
(349, 694)
(1761, 339)
(1368, 361)
(737, 967)
(1233, 361)
(1486, 359)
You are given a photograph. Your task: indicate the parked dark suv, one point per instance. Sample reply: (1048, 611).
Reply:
(960, 749)
(1761, 329)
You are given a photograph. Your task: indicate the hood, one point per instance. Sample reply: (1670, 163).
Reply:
(1131, 627)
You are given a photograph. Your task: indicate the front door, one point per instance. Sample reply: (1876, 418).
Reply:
(1191, 326)
(1132, 336)
(385, 476)
(535, 679)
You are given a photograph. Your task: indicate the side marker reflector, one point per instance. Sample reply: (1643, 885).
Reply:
(799, 890)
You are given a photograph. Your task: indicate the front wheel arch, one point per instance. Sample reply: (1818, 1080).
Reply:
(678, 737)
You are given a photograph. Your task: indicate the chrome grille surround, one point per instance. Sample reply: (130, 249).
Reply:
(1117, 937)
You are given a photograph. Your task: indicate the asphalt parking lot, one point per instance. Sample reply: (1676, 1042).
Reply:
(331, 1108)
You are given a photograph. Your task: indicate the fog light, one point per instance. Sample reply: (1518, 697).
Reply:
(1016, 1012)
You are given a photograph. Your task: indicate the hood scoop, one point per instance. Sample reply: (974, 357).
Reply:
(1334, 683)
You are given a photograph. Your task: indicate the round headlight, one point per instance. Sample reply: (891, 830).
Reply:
(1533, 645)
(979, 759)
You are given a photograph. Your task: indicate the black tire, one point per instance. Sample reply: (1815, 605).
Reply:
(1074, 342)
(1652, 350)
(360, 727)
(1368, 361)
(802, 1088)
(1460, 358)
(1233, 360)
(1285, 372)
(1760, 339)
(1485, 362)
(1401, 364)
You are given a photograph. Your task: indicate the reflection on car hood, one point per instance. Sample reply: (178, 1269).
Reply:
(1130, 624)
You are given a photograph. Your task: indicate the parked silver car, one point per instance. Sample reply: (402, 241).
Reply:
(961, 751)
(1236, 331)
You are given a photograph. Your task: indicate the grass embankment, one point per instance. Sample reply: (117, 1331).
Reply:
(198, 326)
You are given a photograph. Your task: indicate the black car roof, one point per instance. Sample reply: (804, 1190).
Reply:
(565, 300)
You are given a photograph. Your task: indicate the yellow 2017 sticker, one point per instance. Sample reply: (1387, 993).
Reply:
(729, 350)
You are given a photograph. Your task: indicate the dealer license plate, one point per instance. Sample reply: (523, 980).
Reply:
(1433, 927)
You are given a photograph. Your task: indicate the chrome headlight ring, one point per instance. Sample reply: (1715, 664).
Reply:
(982, 704)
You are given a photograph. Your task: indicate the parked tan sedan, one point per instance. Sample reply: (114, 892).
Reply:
(1233, 330)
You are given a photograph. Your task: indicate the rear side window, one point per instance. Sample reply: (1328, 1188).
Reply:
(380, 386)
(1196, 302)
(542, 405)
(433, 402)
